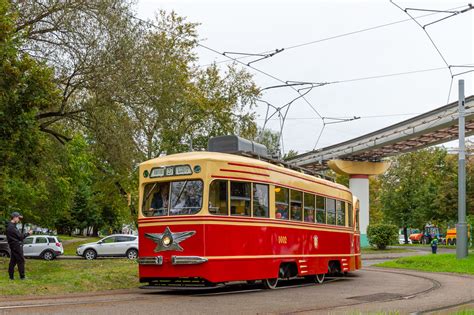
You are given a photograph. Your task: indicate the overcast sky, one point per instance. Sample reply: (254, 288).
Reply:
(257, 26)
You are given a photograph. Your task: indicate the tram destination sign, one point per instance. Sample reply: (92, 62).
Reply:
(166, 171)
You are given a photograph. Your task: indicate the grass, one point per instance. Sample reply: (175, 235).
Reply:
(71, 245)
(433, 263)
(64, 237)
(427, 245)
(69, 276)
(373, 250)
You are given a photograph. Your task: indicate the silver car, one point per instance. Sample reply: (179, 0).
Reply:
(118, 245)
(42, 246)
(4, 248)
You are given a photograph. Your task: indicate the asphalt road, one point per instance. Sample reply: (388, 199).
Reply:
(368, 290)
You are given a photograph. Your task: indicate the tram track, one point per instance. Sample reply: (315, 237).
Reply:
(435, 286)
(169, 297)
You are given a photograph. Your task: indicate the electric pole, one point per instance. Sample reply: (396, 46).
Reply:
(461, 227)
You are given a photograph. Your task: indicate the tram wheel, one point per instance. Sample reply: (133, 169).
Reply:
(270, 284)
(320, 278)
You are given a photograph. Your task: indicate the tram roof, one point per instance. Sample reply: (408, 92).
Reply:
(187, 157)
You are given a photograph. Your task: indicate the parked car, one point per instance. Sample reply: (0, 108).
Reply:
(42, 246)
(401, 239)
(4, 248)
(118, 245)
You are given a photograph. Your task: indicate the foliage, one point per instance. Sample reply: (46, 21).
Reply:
(25, 89)
(433, 263)
(382, 235)
(420, 187)
(269, 138)
(87, 92)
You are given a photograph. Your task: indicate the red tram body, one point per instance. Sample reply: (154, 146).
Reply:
(212, 218)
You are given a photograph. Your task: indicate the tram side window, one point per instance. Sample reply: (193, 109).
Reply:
(340, 213)
(281, 203)
(357, 219)
(309, 210)
(331, 210)
(155, 199)
(240, 198)
(218, 198)
(350, 213)
(260, 200)
(320, 210)
(296, 205)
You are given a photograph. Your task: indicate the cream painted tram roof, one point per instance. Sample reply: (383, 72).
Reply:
(186, 158)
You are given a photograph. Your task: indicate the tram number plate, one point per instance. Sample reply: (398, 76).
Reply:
(282, 240)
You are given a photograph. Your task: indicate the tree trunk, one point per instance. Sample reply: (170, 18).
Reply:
(405, 233)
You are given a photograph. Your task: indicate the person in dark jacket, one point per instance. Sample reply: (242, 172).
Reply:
(15, 241)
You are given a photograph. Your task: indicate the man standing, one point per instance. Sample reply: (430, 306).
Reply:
(15, 241)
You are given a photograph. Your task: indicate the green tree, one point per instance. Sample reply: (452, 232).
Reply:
(418, 188)
(26, 88)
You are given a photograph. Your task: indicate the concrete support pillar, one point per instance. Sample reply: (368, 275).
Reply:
(359, 173)
(359, 185)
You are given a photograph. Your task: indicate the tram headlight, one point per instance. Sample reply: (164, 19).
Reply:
(166, 241)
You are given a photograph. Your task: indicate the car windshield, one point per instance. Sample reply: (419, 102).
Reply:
(172, 198)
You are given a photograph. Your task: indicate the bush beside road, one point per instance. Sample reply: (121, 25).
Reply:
(70, 276)
(433, 263)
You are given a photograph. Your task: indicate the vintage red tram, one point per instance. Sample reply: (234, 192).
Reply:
(210, 218)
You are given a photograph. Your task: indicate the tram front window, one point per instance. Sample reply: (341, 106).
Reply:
(175, 198)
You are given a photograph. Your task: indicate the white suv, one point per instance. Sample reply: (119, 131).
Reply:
(42, 246)
(118, 245)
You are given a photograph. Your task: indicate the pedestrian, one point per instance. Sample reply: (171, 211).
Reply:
(15, 241)
(434, 245)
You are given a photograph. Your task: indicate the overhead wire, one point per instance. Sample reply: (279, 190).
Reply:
(292, 85)
(340, 35)
(302, 96)
(423, 27)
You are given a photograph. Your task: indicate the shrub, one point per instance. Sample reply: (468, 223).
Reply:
(382, 235)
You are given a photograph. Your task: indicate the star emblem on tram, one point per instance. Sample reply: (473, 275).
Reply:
(169, 240)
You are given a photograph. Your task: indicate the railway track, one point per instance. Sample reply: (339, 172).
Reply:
(132, 297)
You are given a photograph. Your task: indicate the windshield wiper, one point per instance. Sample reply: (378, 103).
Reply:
(181, 192)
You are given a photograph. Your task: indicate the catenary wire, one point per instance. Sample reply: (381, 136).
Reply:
(339, 35)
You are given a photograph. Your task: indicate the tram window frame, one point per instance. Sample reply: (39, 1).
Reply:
(310, 207)
(285, 202)
(320, 210)
(226, 198)
(350, 215)
(331, 211)
(340, 213)
(266, 200)
(247, 200)
(294, 203)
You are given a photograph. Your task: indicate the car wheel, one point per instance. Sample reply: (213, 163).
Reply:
(90, 254)
(4, 254)
(48, 255)
(132, 254)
